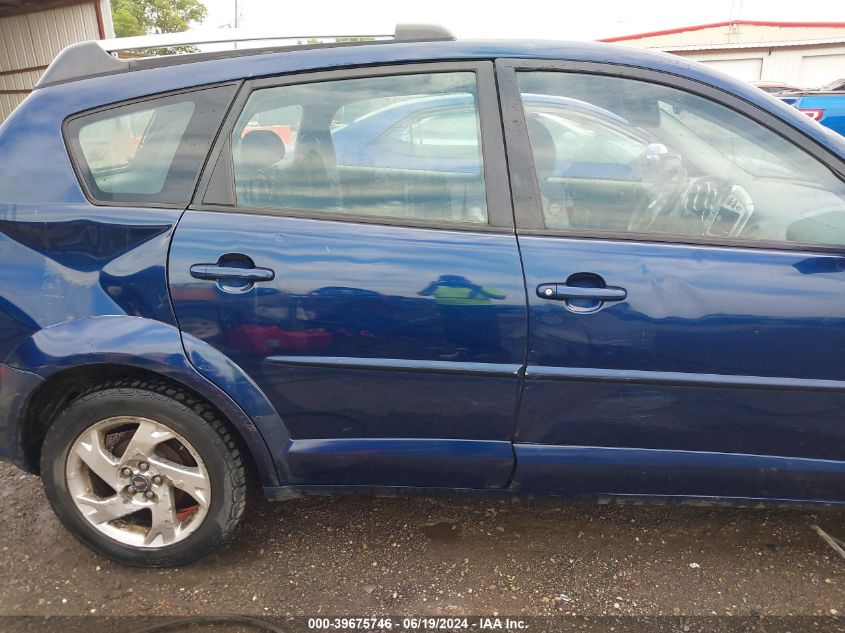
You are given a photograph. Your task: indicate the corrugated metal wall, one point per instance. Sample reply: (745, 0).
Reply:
(807, 55)
(805, 66)
(28, 43)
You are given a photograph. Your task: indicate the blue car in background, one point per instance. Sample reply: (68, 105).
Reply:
(407, 266)
(380, 136)
(825, 105)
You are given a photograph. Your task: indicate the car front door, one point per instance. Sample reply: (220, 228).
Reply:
(358, 261)
(684, 257)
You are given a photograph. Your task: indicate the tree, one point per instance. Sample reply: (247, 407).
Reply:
(143, 17)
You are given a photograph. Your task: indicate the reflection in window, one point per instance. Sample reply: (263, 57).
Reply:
(446, 133)
(133, 152)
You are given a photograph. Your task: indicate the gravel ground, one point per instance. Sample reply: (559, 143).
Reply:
(423, 556)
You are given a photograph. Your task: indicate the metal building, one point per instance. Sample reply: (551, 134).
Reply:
(32, 32)
(807, 54)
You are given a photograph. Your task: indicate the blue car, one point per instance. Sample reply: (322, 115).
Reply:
(412, 265)
(380, 137)
(825, 105)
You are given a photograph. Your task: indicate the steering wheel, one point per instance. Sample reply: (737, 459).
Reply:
(663, 199)
(721, 208)
(697, 206)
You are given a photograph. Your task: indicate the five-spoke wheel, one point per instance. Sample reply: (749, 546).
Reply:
(144, 473)
(138, 481)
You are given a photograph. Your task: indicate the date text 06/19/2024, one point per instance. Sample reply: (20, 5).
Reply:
(494, 623)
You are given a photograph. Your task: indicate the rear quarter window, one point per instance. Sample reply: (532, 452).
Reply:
(147, 152)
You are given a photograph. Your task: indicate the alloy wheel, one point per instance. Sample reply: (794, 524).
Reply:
(138, 482)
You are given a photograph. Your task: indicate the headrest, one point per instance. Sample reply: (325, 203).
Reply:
(260, 149)
(543, 148)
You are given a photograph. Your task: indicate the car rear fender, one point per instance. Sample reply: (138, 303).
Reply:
(157, 347)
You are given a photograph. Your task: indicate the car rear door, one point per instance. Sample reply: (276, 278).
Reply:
(683, 256)
(362, 269)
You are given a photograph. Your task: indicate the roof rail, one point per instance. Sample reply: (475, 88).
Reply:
(98, 57)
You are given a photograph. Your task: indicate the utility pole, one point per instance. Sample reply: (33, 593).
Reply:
(237, 20)
(734, 35)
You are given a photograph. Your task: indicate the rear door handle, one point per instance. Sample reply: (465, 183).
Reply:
(217, 273)
(564, 292)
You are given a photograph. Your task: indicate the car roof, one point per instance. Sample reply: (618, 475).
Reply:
(180, 71)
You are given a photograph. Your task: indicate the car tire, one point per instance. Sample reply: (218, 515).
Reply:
(144, 473)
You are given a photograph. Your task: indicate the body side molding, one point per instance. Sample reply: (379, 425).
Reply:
(536, 372)
(400, 364)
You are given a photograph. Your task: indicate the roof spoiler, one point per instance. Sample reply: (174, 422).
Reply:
(98, 57)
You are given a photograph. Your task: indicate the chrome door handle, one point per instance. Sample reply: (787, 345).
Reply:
(564, 292)
(217, 273)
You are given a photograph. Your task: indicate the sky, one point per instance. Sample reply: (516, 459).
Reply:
(531, 19)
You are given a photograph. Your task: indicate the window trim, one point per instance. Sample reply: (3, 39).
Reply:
(527, 202)
(496, 184)
(75, 154)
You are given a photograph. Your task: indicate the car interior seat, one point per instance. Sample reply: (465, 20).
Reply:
(310, 181)
(256, 175)
(557, 199)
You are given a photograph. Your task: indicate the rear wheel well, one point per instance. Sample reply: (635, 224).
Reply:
(60, 389)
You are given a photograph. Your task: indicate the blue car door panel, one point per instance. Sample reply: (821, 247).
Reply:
(384, 315)
(701, 373)
(685, 340)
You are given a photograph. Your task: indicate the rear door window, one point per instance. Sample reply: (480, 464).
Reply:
(399, 146)
(147, 152)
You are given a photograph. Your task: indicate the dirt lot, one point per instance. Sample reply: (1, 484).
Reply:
(434, 556)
